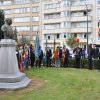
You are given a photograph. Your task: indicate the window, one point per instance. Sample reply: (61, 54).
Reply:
(22, 10)
(24, 19)
(24, 28)
(85, 36)
(21, 1)
(73, 2)
(5, 2)
(65, 3)
(48, 37)
(99, 38)
(75, 35)
(35, 1)
(98, 1)
(64, 14)
(98, 12)
(65, 25)
(58, 36)
(51, 6)
(34, 19)
(51, 16)
(52, 26)
(64, 35)
(35, 9)
(85, 2)
(80, 24)
(34, 38)
(35, 28)
(8, 11)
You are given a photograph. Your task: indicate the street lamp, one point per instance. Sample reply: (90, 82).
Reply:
(87, 27)
(86, 14)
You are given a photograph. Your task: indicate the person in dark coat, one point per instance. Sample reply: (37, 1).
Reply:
(50, 55)
(32, 56)
(99, 59)
(47, 58)
(66, 59)
(78, 52)
(90, 57)
(95, 51)
(40, 57)
(60, 56)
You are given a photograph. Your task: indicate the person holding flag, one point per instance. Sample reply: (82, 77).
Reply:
(18, 52)
(56, 54)
(37, 49)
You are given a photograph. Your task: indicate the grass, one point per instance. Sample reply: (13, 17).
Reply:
(60, 84)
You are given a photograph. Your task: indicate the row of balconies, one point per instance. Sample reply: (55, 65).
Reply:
(72, 8)
(18, 6)
(72, 19)
(72, 30)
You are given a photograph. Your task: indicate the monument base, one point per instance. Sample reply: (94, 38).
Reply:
(10, 76)
(16, 85)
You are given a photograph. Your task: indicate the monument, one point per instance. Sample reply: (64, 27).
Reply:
(10, 76)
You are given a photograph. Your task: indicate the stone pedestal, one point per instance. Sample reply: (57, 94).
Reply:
(10, 76)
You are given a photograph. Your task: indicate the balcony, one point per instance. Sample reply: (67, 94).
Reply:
(56, 31)
(52, 41)
(80, 18)
(81, 7)
(14, 6)
(21, 24)
(55, 10)
(56, 20)
(81, 30)
(14, 15)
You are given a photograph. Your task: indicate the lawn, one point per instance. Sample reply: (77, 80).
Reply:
(58, 84)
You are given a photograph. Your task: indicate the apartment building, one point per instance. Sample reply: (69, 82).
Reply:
(25, 15)
(65, 17)
(55, 18)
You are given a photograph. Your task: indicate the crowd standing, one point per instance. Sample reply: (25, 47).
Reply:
(59, 57)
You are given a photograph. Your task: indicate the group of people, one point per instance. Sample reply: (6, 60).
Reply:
(26, 56)
(92, 53)
(59, 57)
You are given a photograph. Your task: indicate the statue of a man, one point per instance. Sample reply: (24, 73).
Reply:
(8, 31)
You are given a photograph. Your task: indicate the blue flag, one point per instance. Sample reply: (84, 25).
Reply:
(37, 46)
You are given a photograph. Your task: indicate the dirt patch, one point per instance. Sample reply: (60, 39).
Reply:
(33, 85)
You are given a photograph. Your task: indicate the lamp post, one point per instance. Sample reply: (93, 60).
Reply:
(87, 26)
(86, 14)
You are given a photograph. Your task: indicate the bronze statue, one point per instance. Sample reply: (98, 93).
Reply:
(8, 31)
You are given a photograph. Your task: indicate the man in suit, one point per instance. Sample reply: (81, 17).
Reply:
(78, 52)
(66, 58)
(90, 57)
(32, 56)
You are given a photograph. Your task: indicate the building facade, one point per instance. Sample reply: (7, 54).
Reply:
(65, 17)
(25, 15)
(55, 19)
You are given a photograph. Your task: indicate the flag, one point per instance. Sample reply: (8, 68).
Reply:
(54, 49)
(18, 55)
(37, 46)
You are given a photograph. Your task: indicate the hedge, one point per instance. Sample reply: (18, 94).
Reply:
(84, 63)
